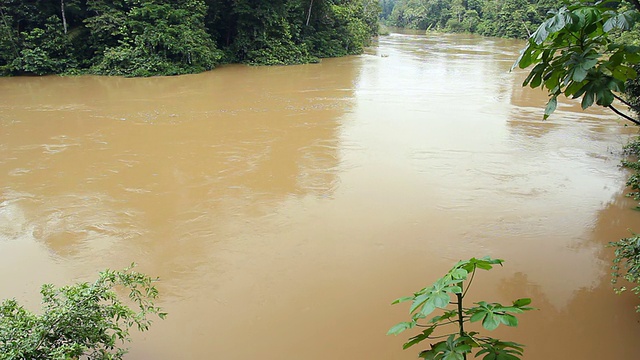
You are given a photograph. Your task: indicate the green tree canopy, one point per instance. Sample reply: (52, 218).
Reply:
(578, 53)
(153, 37)
(504, 18)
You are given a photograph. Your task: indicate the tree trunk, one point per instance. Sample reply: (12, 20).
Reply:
(10, 31)
(64, 17)
(309, 14)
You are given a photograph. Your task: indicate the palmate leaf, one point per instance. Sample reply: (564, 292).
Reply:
(509, 320)
(494, 314)
(540, 35)
(587, 99)
(624, 21)
(491, 321)
(485, 263)
(419, 300)
(459, 274)
(502, 350)
(400, 327)
(604, 97)
(560, 20)
(428, 307)
(453, 348)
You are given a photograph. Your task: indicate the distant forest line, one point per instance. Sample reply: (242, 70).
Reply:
(500, 18)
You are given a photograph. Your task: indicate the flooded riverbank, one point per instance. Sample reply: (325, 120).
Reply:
(284, 208)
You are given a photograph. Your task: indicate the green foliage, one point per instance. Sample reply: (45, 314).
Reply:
(627, 261)
(447, 294)
(44, 51)
(153, 37)
(632, 150)
(79, 320)
(506, 18)
(573, 54)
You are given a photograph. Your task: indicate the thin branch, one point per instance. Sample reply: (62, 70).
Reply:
(436, 325)
(525, 27)
(625, 116)
(9, 30)
(626, 102)
(483, 339)
(473, 274)
(438, 337)
(309, 14)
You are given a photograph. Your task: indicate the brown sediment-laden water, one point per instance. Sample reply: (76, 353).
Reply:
(284, 208)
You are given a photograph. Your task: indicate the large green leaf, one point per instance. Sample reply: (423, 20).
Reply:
(509, 320)
(419, 301)
(587, 99)
(551, 107)
(522, 302)
(400, 327)
(490, 322)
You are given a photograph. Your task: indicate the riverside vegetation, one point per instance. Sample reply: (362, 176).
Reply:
(584, 50)
(153, 37)
(84, 319)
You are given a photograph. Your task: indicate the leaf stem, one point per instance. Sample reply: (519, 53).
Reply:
(473, 274)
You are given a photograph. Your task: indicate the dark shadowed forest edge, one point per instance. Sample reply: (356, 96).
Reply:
(153, 37)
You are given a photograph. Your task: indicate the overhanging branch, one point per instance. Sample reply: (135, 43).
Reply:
(635, 108)
(625, 116)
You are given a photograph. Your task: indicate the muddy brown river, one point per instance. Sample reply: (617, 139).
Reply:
(284, 208)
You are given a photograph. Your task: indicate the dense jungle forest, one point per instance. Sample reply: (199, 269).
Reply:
(153, 37)
(502, 18)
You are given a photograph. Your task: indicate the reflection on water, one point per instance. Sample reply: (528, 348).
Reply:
(284, 207)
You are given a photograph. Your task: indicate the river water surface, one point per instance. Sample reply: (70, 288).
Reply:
(284, 208)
